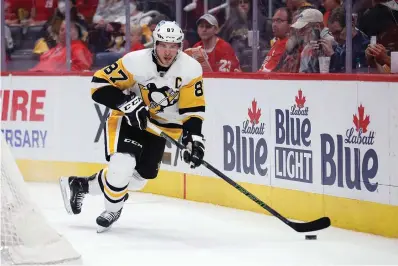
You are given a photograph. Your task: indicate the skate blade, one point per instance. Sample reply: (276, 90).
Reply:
(101, 229)
(65, 191)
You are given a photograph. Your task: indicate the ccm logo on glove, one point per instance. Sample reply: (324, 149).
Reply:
(130, 106)
(136, 112)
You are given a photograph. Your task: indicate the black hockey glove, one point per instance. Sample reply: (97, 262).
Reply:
(136, 112)
(195, 149)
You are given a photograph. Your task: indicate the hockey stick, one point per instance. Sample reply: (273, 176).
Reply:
(315, 225)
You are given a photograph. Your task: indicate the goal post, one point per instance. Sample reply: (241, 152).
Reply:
(26, 236)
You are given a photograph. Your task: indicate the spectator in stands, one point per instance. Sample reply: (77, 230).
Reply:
(87, 8)
(236, 30)
(309, 40)
(337, 26)
(245, 5)
(382, 21)
(212, 52)
(108, 11)
(360, 6)
(136, 16)
(290, 61)
(103, 36)
(235, 27)
(141, 19)
(247, 9)
(106, 31)
(51, 29)
(377, 56)
(18, 12)
(113, 54)
(42, 10)
(10, 13)
(31, 13)
(55, 58)
(329, 5)
(297, 6)
(281, 22)
(308, 22)
(135, 41)
(135, 38)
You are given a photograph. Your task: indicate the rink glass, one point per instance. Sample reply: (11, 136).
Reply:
(28, 43)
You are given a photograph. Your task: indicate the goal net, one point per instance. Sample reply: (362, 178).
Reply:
(26, 237)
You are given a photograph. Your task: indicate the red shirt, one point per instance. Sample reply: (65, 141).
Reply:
(326, 18)
(222, 58)
(87, 8)
(44, 9)
(55, 58)
(274, 55)
(137, 46)
(11, 12)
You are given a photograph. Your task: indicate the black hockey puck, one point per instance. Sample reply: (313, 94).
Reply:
(310, 237)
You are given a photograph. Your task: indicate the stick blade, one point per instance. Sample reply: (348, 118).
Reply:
(315, 225)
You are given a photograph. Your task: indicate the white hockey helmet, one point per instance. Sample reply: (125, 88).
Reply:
(167, 31)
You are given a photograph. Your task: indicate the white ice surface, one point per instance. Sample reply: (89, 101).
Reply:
(157, 230)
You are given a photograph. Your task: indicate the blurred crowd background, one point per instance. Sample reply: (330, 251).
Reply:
(291, 36)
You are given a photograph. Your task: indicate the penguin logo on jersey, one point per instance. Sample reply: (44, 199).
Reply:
(158, 98)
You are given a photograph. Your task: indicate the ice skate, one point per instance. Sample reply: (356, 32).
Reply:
(106, 219)
(73, 191)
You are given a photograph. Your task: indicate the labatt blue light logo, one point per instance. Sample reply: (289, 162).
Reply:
(293, 159)
(245, 150)
(343, 162)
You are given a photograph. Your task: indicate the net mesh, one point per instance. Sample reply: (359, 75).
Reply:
(26, 237)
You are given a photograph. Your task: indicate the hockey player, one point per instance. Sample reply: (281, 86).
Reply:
(161, 84)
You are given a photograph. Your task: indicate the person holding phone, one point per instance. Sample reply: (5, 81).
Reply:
(377, 56)
(314, 39)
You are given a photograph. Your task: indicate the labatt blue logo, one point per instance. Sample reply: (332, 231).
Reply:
(342, 160)
(245, 149)
(293, 157)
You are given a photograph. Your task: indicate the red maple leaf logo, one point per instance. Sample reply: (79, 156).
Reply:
(300, 100)
(254, 113)
(359, 121)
